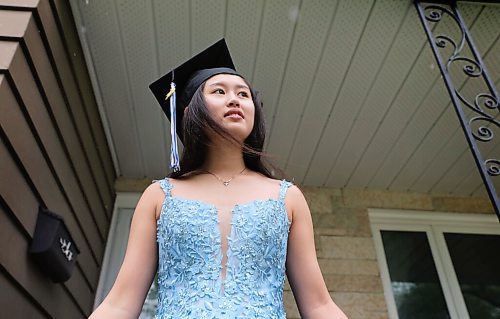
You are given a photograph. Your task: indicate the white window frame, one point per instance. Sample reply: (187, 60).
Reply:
(116, 243)
(433, 224)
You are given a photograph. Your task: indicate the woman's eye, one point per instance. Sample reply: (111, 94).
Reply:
(244, 94)
(219, 91)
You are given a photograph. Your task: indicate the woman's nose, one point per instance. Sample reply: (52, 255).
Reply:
(234, 101)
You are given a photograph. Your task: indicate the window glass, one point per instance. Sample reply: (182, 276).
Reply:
(476, 259)
(414, 279)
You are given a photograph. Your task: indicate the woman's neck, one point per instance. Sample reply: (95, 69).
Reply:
(224, 160)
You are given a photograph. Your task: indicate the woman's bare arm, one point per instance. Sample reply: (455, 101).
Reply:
(127, 296)
(304, 274)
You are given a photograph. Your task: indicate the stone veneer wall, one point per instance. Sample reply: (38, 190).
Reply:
(345, 248)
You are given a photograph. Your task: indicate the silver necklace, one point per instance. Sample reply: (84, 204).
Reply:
(225, 183)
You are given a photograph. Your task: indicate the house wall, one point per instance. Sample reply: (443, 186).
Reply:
(345, 247)
(53, 153)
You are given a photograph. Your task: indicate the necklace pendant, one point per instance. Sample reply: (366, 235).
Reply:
(225, 183)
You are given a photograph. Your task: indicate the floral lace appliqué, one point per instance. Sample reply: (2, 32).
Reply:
(190, 257)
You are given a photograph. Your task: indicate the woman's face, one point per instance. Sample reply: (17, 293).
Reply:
(229, 103)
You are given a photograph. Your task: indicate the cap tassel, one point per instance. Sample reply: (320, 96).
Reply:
(174, 152)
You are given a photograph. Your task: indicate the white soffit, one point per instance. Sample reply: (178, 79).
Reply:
(352, 93)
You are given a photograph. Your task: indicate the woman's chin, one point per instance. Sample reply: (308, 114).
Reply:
(237, 130)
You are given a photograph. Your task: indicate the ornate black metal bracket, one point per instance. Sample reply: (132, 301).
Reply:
(485, 106)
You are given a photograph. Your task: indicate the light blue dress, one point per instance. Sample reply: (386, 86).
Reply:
(190, 256)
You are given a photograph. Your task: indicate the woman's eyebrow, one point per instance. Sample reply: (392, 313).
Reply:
(239, 86)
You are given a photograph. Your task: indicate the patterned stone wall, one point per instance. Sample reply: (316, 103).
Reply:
(345, 248)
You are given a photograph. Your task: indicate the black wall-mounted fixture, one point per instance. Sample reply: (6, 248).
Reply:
(53, 249)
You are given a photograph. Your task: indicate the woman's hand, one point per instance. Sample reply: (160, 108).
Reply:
(126, 298)
(304, 274)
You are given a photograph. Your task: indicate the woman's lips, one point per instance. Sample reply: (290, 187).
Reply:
(234, 114)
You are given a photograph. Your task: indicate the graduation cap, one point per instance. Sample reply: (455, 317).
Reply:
(185, 80)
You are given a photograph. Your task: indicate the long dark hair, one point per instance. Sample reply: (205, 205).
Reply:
(197, 121)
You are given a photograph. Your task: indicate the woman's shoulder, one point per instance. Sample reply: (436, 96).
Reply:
(291, 192)
(288, 192)
(284, 185)
(278, 181)
(158, 186)
(155, 193)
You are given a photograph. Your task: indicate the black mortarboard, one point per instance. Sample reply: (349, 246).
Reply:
(185, 80)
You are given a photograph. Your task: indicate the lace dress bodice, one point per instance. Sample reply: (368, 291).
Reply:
(190, 257)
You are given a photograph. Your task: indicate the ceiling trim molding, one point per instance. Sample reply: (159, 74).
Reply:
(80, 28)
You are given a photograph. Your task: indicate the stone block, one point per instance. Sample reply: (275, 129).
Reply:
(369, 302)
(348, 267)
(318, 232)
(330, 191)
(318, 199)
(317, 243)
(462, 204)
(357, 313)
(287, 285)
(353, 283)
(290, 306)
(386, 199)
(343, 222)
(337, 201)
(347, 247)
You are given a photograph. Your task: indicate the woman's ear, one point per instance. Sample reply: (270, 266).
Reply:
(186, 110)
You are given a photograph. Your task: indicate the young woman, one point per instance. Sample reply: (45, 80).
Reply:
(221, 230)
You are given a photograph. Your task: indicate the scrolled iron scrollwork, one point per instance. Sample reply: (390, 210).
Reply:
(442, 40)
(481, 122)
(434, 13)
(493, 166)
(482, 133)
(472, 69)
(489, 101)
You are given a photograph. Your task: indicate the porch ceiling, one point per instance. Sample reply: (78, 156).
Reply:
(353, 97)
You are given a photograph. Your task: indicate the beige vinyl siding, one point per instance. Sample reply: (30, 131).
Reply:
(53, 153)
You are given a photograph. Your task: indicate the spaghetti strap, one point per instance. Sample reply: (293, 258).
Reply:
(284, 185)
(166, 187)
